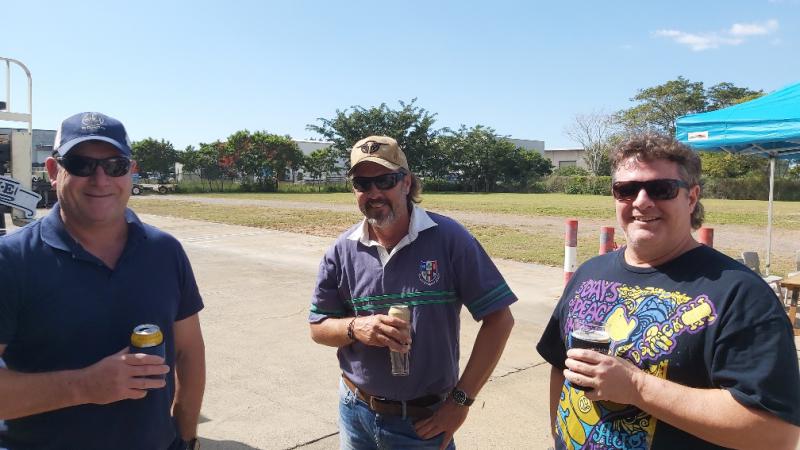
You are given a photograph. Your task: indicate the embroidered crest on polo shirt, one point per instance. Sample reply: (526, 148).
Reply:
(429, 272)
(92, 122)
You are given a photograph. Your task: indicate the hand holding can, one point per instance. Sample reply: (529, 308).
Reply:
(147, 338)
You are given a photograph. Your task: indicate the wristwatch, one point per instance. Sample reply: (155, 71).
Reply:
(460, 397)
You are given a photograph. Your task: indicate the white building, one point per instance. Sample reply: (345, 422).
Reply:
(566, 157)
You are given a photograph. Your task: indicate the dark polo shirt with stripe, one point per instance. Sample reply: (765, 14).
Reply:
(442, 269)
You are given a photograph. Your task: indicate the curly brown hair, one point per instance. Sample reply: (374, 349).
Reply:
(654, 146)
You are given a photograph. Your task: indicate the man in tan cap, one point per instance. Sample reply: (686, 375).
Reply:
(402, 255)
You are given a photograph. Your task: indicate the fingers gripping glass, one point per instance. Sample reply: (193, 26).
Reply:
(83, 166)
(662, 189)
(382, 182)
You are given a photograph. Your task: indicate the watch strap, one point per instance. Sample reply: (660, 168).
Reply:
(461, 398)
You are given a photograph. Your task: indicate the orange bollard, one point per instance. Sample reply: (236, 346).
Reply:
(705, 236)
(570, 249)
(606, 240)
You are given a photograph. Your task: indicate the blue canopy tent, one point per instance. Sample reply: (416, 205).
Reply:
(768, 125)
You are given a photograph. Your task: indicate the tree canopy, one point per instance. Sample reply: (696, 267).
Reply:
(660, 106)
(155, 156)
(484, 161)
(410, 125)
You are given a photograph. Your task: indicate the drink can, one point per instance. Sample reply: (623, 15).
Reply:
(147, 338)
(401, 312)
(401, 366)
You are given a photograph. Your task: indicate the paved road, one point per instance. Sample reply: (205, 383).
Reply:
(271, 387)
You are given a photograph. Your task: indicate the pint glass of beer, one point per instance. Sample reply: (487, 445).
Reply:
(591, 336)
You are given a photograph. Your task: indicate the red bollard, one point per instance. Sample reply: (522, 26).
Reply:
(706, 236)
(607, 243)
(570, 249)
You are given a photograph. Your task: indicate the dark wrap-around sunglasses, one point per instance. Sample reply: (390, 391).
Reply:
(382, 182)
(661, 189)
(84, 166)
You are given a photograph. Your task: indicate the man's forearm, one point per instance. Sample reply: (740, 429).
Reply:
(24, 394)
(556, 386)
(190, 386)
(486, 351)
(331, 332)
(190, 375)
(714, 415)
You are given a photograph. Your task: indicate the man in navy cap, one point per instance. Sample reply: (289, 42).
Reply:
(75, 284)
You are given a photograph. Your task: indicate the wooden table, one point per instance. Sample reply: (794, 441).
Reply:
(793, 284)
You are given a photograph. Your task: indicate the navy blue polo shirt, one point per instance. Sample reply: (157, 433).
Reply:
(436, 274)
(62, 308)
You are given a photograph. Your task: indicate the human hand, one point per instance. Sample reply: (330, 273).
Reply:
(122, 376)
(380, 330)
(446, 419)
(613, 378)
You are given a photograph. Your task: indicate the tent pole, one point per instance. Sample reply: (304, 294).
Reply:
(769, 212)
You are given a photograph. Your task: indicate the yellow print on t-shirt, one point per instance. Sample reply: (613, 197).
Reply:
(645, 325)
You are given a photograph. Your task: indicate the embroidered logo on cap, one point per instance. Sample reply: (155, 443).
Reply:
(370, 147)
(429, 272)
(92, 122)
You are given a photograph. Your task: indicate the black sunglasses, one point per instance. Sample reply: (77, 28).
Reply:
(662, 189)
(382, 182)
(83, 166)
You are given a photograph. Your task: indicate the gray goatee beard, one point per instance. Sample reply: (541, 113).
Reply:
(377, 219)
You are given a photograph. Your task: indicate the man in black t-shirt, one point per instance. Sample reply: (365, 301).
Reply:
(703, 355)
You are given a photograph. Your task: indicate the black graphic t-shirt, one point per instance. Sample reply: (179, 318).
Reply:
(701, 320)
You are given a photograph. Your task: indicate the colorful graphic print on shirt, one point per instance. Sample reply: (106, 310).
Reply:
(645, 325)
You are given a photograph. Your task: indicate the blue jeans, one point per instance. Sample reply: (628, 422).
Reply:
(362, 429)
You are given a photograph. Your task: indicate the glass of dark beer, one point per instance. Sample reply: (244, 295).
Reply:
(591, 336)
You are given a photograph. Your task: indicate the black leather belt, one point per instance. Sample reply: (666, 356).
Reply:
(418, 408)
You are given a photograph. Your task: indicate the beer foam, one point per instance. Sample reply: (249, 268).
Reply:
(592, 335)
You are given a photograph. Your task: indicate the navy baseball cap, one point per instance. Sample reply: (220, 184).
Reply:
(91, 126)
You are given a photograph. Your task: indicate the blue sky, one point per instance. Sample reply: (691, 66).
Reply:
(197, 71)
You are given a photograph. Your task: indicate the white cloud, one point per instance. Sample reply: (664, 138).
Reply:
(698, 42)
(737, 34)
(754, 29)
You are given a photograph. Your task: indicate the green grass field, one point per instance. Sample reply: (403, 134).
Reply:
(543, 245)
(722, 212)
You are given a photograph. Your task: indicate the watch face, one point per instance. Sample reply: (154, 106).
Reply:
(459, 397)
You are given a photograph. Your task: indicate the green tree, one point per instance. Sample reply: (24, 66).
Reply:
(210, 161)
(410, 125)
(728, 165)
(263, 156)
(155, 156)
(660, 106)
(487, 162)
(726, 94)
(322, 161)
(794, 171)
(570, 171)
